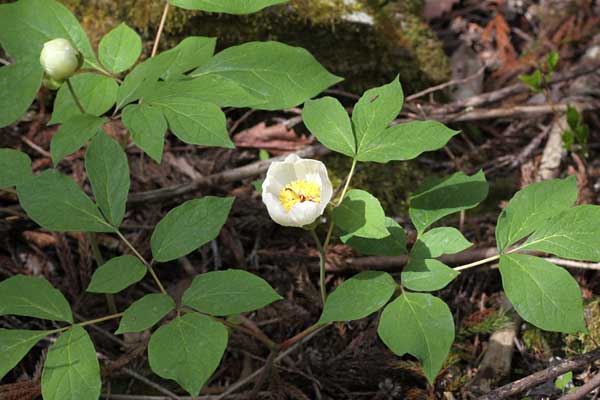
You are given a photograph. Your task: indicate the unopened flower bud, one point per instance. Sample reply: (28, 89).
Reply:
(60, 59)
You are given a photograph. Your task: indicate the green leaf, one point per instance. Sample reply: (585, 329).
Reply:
(207, 88)
(563, 381)
(108, 172)
(97, 94)
(71, 370)
(283, 75)
(375, 110)
(144, 75)
(191, 52)
(14, 345)
(229, 6)
(531, 207)
(328, 120)
(427, 275)
(117, 274)
(405, 141)
(73, 134)
(188, 350)
(196, 122)
(438, 241)
(534, 81)
(394, 244)
(542, 293)
(358, 297)
(574, 233)
(229, 292)
(421, 325)
(119, 49)
(437, 198)
(19, 83)
(361, 215)
(55, 202)
(33, 297)
(28, 24)
(145, 313)
(15, 167)
(147, 126)
(188, 226)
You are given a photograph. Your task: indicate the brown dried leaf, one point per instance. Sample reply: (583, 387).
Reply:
(277, 139)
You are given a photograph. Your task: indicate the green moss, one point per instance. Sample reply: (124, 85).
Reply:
(366, 56)
(584, 342)
(391, 183)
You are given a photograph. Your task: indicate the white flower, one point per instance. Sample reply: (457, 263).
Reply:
(296, 191)
(60, 59)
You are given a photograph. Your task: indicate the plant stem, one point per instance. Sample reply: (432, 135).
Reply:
(143, 260)
(75, 98)
(90, 322)
(260, 336)
(342, 195)
(110, 299)
(476, 263)
(161, 26)
(291, 341)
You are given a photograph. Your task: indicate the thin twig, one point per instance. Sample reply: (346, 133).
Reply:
(542, 376)
(441, 86)
(584, 389)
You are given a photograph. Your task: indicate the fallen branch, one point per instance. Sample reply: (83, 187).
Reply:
(542, 376)
(584, 389)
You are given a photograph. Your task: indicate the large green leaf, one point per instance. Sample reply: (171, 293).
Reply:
(189, 226)
(229, 6)
(531, 207)
(14, 345)
(117, 274)
(427, 275)
(108, 172)
(438, 241)
(19, 84)
(120, 48)
(283, 75)
(55, 202)
(145, 312)
(206, 88)
(229, 292)
(73, 134)
(542, 293)
(437, 198)
(328, 120)
(404, 141)
(33, 297)
(188, 350)
(144, 75)
(358, 297)
(28, 24)
(147, 126)
(419, 324)
(192, 52)
(375, 110)
(71, 370)
(574, 233)
(360, 214)
(394, 244)
(196, 122)
(15, 167)
(97, 94)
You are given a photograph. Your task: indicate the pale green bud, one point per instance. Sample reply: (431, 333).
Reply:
(51, 83)
(60, 59)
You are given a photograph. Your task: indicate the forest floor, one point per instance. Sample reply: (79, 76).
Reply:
(507, 131)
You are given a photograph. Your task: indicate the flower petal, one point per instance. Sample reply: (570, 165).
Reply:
(277, 211)
(304, 213)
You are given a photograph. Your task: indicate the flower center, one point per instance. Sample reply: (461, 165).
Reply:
(298, 192)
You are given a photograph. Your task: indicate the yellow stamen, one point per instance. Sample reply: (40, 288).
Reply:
(299, 192)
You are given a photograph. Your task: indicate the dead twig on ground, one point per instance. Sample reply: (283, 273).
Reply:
(542, 376)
